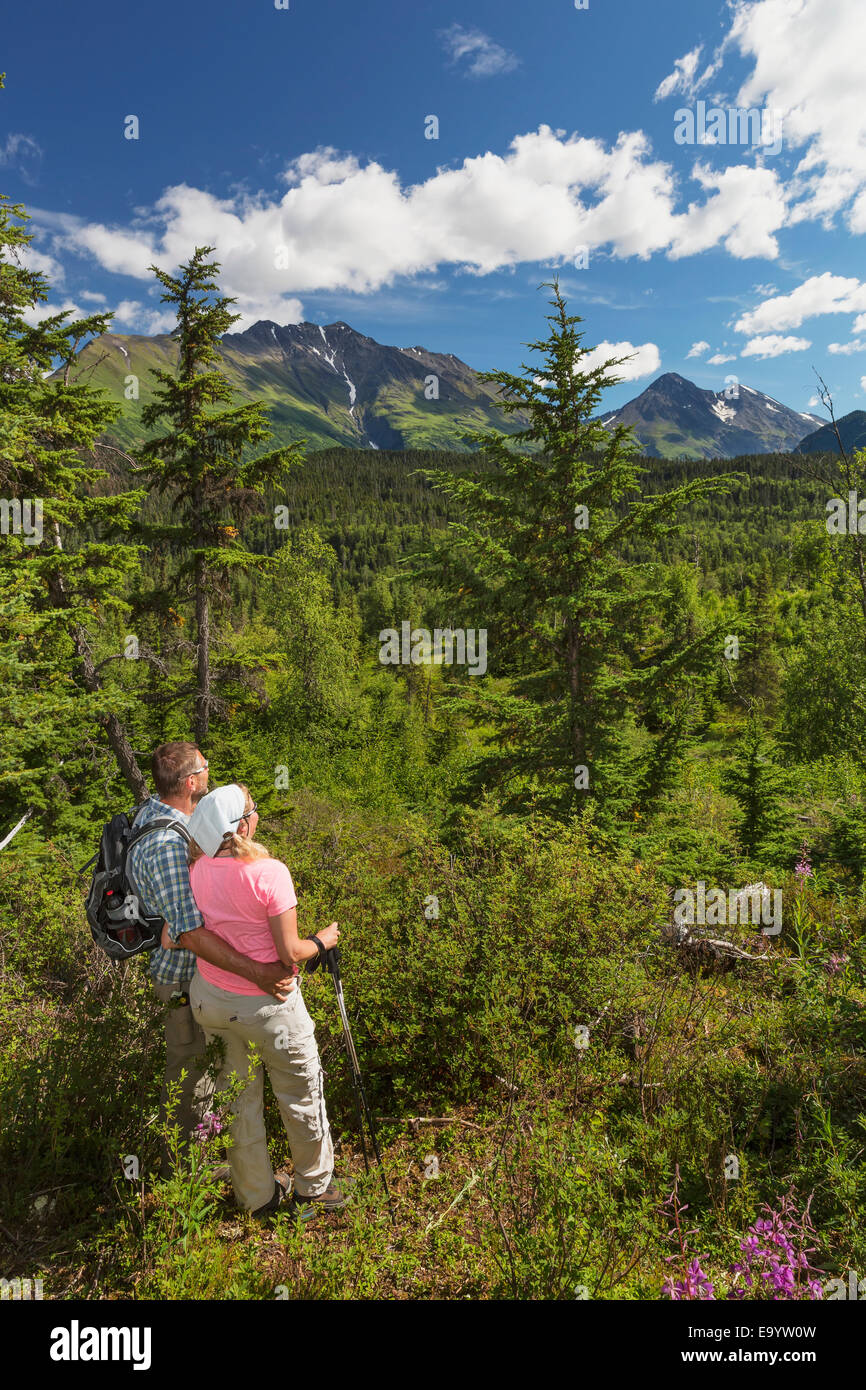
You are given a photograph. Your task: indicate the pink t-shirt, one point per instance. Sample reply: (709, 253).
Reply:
(236, 897)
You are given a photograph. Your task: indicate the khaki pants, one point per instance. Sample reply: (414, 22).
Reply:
(285, 1036)
(184, 1051)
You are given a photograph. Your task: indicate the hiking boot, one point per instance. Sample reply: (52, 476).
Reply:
(280, 1199)
(219, 1172)
(334, 1197)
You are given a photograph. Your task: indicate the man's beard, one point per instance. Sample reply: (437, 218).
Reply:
(197, 796)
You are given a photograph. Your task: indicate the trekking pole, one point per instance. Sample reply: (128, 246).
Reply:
(331, 962)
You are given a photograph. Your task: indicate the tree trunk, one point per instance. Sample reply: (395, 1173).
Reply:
(202, 619)
(114, 730)
(575, 684)
(577, 731)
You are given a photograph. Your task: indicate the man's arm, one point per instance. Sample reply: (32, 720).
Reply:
(271, 976)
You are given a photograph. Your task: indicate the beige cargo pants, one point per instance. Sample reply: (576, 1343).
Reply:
(285, 1036)
(184, 1053)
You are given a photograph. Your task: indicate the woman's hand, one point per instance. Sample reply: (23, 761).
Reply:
(277, 979)
(330, 936)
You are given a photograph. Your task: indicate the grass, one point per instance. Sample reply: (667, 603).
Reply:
(552, 1161)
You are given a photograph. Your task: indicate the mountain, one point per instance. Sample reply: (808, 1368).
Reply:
(674, 417)
(852, 429)
(329, 385)
(334, 386)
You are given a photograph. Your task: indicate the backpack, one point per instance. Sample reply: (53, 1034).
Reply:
(118, 922)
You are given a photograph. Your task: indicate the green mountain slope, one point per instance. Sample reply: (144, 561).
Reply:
(852, 428)
(328, 385)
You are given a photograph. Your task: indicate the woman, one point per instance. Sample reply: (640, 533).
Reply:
(249, 900)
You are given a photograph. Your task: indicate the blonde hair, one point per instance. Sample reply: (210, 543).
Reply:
(241, 846)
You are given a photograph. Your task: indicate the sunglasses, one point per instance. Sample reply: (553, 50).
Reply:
(197, 770)
(246, 815)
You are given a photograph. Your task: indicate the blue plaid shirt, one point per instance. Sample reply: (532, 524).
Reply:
(159, 868)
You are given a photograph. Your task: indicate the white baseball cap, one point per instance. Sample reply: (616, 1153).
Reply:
(215, 815)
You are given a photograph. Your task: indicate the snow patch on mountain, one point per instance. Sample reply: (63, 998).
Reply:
(329, 360)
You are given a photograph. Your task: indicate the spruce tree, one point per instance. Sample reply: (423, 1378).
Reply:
(757, 784)
(539, 558)
(758, 667)
(64, 559)
(201, 462)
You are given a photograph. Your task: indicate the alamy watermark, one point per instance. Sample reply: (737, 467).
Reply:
(847, 516)
(21, 518)
(77, 1343)
(754, 904)
(21, 1290)
(758, 127)
(418, 647)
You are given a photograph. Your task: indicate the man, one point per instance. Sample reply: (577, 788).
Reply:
(159, 868)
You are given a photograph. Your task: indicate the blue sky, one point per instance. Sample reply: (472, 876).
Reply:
(294, 140)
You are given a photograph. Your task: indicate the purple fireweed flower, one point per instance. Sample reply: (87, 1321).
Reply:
(695, 1285)
(210, 1127)
(782, 1279)
(775, 1261)
(774, 1254)
(802, 868)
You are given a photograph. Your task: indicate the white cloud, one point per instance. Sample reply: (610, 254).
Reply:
(487, 58)
(134, 316)
(23, 154)
(803, 69)
(857, 214)
(698, 349)
(643, 360)
(847, 349)
(18, 146)
(130, 315)
(127, 311)
(547, 196)
(158, 321)
(821, 294)
(37, 312)
(774, 346)
(813, 401)
(124, 252)
(161, 323)
(548, 193)
(38, 261)
(748, 207)
(683, 77)
(800, 69)
(863, 383)
(720, 358)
